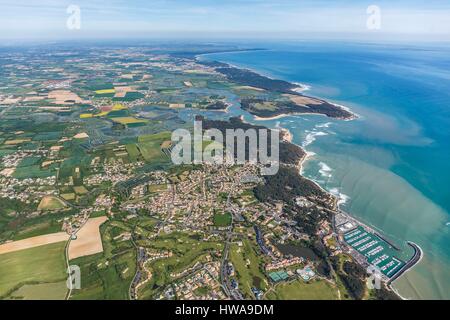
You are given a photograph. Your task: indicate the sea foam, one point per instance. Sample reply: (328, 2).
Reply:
(301, 87)
(324, 125)
(325, 170)
(342, 198)
(311, 137)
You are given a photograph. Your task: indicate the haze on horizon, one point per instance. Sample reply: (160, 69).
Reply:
(401, 19)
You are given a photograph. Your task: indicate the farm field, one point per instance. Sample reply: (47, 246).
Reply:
(108, 275)
(104, 91)
(41, 264)
(150, 146)
(43, 227)
(33, 242)
(80, 190)
(51, 203)
(129, 120)
(88, 240)
(68, 196)
(299, 290)
(133, 151)
(156, 188)
(33, 171)
(87, 178)
(42, 291)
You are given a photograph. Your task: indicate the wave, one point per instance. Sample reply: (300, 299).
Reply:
(325, 170)
(311, 137)
(355, 115)
(301, 87)
(342, 198)
(324, 125)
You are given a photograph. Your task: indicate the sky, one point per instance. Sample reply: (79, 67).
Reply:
(416, 19)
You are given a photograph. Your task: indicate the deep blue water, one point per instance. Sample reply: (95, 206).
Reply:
(391, 166)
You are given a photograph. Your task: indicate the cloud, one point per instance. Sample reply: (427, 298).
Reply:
(32, 18)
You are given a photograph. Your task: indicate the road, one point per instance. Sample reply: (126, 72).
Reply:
(224, 278)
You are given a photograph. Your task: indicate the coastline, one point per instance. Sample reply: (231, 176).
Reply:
(288, 87)
(280, 116)
(336, 210)
(307, 155)
(353, 116)
(301, 87)
(298, 88)
(289, 138)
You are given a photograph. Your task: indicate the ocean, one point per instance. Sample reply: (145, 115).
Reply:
(390, 168)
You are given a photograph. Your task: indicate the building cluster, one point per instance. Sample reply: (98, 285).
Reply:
(284, 263)
(201, 285)
(27, 190)
(74, 222)
(113, 172)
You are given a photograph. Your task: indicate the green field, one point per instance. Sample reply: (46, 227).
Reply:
(186, 250)
(130, 96)
(247, 265)
(47, 136)
(80, 190)
(105, 91)
(33, 171)
(13, 227)
(299, 290)
(42, 291)
(51, 203)
(150, 146)
(151, 152)
(4, 152)
(29, 161)
(133, 151)
(129, 120)
(68, 196)
(158, 137)
(37, 229)
(108, 275)
(43, 264)
(264, 106)
(222, 220)
(156, 188)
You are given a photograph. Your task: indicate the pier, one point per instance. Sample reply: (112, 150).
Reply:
(418, 254)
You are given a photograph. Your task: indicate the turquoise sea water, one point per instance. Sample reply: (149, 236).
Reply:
(390, 167)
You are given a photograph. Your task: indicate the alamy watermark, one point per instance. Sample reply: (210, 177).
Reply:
(239, 147)
(74, 278)
(374, 279)
(74, 20)
(374, 19)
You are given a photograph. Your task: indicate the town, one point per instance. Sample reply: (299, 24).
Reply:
(87, 179)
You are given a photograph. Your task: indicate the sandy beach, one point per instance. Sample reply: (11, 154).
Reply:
(271, 118)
